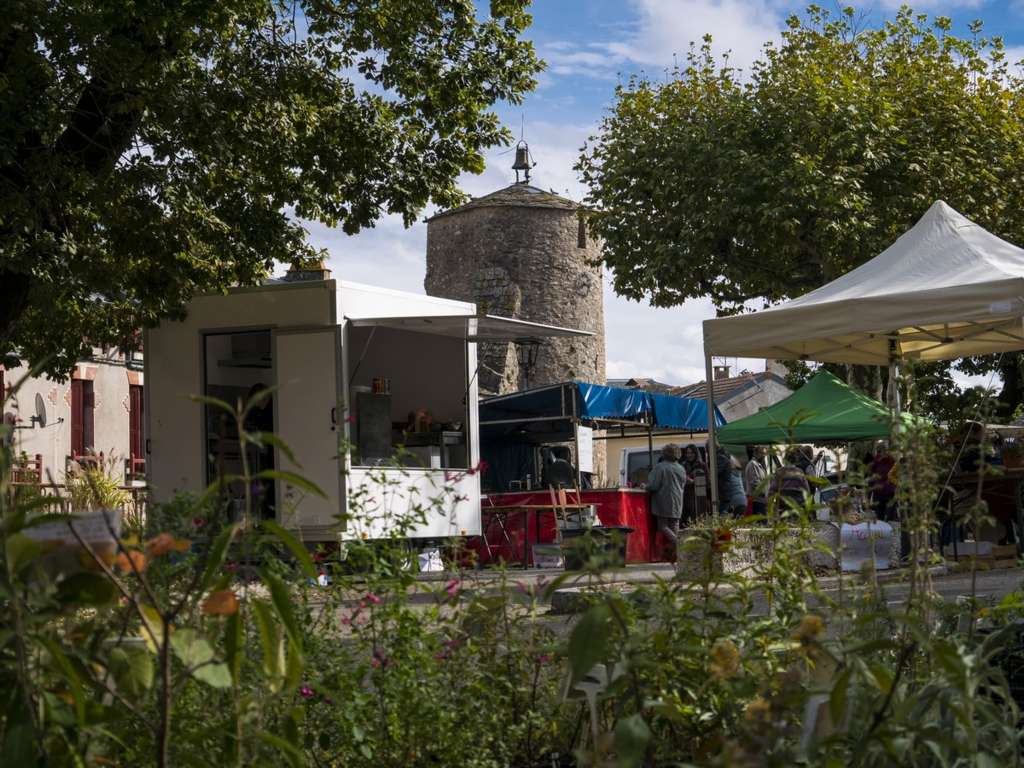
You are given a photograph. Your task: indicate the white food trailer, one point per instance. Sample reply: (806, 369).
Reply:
(321, 346)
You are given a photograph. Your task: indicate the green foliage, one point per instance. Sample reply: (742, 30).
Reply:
(151, 151)
(834, 144)
(202, 663)
(92, 487)
(751, 188)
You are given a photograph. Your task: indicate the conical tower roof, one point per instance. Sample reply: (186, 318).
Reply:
(514, 196)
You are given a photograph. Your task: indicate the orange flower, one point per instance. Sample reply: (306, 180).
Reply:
(222, 603)
(721, 541)
(130, 562)
(164, 543)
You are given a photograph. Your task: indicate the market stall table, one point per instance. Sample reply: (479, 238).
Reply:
(615, 507)
(502, 512)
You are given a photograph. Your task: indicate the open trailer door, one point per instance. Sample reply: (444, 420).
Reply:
(307, 403)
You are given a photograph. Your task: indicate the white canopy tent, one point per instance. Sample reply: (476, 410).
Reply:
(946, 288)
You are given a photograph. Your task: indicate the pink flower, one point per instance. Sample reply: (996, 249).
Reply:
(379, 660)
(544, 658)
(452, 588)
(306, 692)
(198, 522)
(373, 598)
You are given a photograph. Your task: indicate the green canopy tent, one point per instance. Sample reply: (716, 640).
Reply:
(823, 410)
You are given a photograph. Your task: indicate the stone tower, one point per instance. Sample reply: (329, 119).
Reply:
(525, 253)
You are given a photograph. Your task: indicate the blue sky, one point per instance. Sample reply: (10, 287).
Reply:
(589, 46)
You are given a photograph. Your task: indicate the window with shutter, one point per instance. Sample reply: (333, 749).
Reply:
(136, 438)
(88, 422)
(77, 423)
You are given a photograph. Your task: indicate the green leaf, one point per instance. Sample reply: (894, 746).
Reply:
(294, 667)
(20, 744)
(837, 702)
(84, 588)
(269, 438)
(216, 675)
(881, 675)
(215, 558)
(588, 643)
(234, 645)
(291, 478)
(299, 552)
(132, 667)
(191, 649)
(282, 600)
(290, 751)
(70, 674)
(196, 654)
(631, 737)
(20, 550)
(272, 645)
(215, 402)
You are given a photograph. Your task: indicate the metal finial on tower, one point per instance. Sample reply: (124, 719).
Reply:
(522, 162)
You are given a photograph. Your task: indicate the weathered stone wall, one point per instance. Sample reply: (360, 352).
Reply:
(523, 262)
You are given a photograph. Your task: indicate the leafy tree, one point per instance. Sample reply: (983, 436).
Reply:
(761, 187)
(149, 150)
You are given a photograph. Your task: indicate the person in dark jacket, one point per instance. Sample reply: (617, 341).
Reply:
(666, 483)
(695, 468)
(732, 498)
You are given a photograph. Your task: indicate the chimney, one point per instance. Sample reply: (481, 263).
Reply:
(301, 272)
(721, 372)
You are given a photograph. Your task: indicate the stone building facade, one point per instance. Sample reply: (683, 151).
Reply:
(524, 253)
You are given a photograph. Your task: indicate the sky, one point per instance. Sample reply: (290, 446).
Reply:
(590, 46)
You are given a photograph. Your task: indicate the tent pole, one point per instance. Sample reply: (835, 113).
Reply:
(650, 445)
(894, 373)
(712, 450)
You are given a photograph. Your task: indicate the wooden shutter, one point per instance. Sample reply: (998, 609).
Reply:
(88, 411)
(77, 423)
(135, 437)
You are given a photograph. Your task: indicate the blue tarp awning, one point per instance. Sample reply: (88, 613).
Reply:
(594, 402)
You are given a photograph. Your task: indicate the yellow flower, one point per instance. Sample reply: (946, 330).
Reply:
(725, 659)
(758, 710)
(810, 628)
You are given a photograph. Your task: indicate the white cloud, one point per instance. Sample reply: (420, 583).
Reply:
(665, 28)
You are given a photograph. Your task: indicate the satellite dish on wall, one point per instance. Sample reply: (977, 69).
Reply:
(40, 417)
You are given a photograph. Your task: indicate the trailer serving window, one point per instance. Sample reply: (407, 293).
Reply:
(407, 394)
(409, 380)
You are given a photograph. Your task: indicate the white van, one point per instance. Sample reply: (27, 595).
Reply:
(635, 462)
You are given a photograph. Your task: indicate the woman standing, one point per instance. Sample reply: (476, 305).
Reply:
(693, 465)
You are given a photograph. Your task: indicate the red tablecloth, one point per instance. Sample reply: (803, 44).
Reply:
(615, 506)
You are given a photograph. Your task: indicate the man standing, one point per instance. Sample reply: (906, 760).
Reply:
(667, 484)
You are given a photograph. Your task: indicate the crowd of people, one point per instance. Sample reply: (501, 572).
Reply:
(678, 483)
